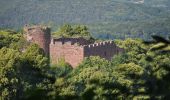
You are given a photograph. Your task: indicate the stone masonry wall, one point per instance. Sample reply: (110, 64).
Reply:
(72, 50)
(39, 35)
(105, 50)
(72, 53)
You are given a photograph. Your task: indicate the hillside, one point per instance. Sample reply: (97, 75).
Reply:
(121, 18)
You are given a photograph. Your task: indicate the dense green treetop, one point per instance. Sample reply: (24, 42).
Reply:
(120, 18)
(141, 72)
(73, 31)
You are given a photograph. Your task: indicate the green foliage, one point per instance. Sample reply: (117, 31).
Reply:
(119, 59)
(87, 77)
(73, 31)
(155, 63)
(35, 56)
(91, 61)
(120, 18)
(8, 37)
(139, 73)
(18, 77)
(135, 49)
(23, 68)
(96, 78)
(61, 69)
(9, 63)
(160, 43)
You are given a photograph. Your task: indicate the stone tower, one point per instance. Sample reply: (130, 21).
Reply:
(40, 35)
(73, 50)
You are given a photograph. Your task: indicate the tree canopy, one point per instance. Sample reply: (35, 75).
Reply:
(141, 72)
(73, 31)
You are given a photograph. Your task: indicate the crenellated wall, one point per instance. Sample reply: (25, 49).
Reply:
(79, 40)
(106, 49)
(72, 53)
(73, 50)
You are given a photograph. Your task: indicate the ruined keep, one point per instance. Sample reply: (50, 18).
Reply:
(40, 35)
(72, 50)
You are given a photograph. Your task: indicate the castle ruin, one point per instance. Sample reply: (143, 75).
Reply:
(72, 50)
(40, 35)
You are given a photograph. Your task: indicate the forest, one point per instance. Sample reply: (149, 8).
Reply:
(106, 19)
(142, 72)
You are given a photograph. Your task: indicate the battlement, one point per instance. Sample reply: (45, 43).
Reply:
(106, 49)
(53, 41)
(73, 50)
(105, 43)
(70, 41)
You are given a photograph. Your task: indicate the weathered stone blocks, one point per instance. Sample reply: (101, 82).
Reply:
(73, 50)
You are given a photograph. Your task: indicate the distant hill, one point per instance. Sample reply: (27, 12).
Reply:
(120, 18)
